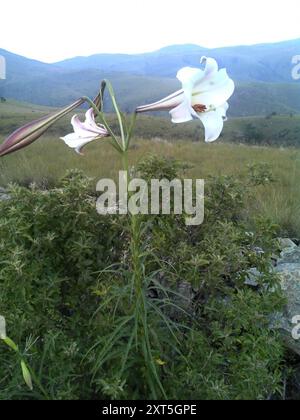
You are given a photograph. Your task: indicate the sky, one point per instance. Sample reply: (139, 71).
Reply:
(52, 30)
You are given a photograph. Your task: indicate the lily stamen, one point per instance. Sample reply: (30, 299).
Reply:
(199, 108)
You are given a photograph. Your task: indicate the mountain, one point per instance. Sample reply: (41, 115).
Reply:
(262, 73)
(269, 63)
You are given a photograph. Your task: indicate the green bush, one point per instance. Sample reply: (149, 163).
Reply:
(65, 292)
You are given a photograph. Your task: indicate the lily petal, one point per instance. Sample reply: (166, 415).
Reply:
(75, 142)
(84, 132)
(88, 127)
(211, 66)
(190, 75)
(182, 113)
(210, 83)
(216, 96)
(213, 122)
(91, 124)
(80, 129)
(90, 118)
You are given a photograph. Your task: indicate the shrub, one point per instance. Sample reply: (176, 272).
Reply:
(65, 292)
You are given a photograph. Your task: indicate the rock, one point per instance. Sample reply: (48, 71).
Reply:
(288, 269)
(4, 197)
(186, 291)
(3, 194)
(258, 250)
(290, 256)
(274, 260)
(253, 276)
(286, 243)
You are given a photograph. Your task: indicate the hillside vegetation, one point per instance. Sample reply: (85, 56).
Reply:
(273, 130)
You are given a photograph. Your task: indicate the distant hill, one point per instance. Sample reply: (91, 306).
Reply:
(262, 73)
(269, 63)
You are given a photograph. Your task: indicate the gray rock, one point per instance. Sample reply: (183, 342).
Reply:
(258, 251)
(286, 243)
(4, 194)
(4, 197)
(288, 269)
(253, 277)
(186, 291)
(290, 256)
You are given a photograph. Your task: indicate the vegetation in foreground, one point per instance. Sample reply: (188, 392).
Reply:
(65, 281)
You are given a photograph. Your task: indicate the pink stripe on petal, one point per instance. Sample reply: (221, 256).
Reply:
(81, 129)
(90, 118)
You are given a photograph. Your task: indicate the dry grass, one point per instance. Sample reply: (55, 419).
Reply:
(48, 159)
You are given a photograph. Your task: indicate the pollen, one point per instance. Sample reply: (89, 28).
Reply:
(199, 108)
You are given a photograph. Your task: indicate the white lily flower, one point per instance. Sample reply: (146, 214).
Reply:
(204, 95)
(84, 132)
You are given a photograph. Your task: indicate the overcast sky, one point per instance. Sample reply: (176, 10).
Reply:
(51, 30)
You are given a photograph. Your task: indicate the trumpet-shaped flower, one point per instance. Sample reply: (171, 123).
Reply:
(204, 95)
(84, 132)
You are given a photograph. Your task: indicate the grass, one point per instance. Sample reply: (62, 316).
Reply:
(48, 159)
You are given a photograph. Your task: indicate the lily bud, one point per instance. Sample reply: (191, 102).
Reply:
(26, 375)
(32, 131)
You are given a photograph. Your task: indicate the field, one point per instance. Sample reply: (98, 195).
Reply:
(48, 159)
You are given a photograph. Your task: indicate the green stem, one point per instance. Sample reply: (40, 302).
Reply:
(135, 235)
(118, 113)
(139, 304)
